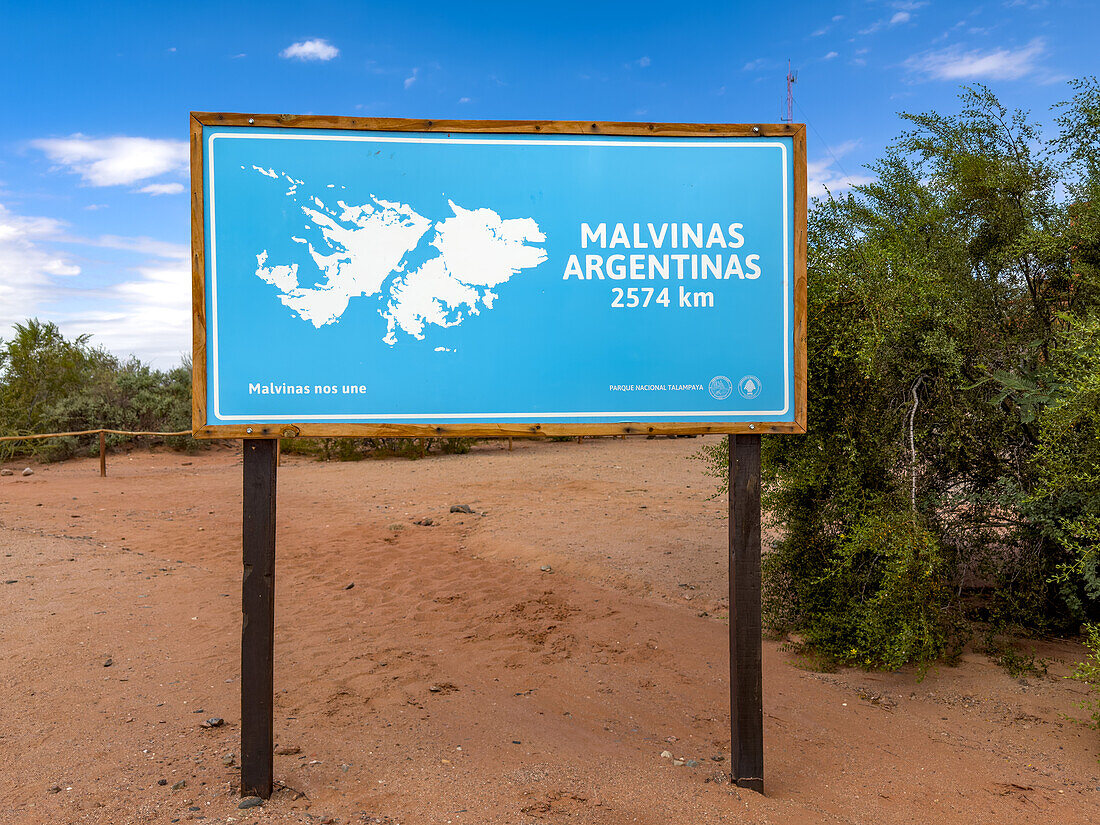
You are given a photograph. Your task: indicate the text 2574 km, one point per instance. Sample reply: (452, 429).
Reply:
(642, 297)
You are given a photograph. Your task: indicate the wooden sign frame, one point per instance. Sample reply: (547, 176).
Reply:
(202, 429)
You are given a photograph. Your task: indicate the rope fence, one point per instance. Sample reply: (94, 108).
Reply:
(86, 432)
(103, 433)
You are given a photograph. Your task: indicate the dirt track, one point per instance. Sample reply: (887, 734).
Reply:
(555, 693)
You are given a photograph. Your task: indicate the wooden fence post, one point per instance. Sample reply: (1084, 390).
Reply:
(102, 454)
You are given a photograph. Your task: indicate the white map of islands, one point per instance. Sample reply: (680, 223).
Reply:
(362, 251)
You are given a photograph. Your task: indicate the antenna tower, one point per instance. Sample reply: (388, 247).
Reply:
(792, 78)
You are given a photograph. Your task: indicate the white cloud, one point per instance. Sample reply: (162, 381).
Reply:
(115, 161)
(27, 268)
(411, 79)
(142, 244)
(829, 56)
(953, 63)
(824, 176)
(897, 19)
(642, 61)
(824, 29)
(316, 49)
(162, 189)
(464, 100)
(755, 65)
(147, 314)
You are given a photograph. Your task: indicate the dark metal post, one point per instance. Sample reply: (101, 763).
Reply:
(258, 628)
(102, 454)
(746, 693)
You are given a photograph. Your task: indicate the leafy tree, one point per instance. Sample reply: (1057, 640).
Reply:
(1065, 505)
(39, 368)
(52, 384)
(952, 392)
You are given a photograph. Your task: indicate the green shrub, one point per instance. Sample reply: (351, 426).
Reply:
(51, 384)
(357, 449)
(948, 479)
(1088, 672)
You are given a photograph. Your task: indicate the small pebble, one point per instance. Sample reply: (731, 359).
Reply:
(180, 785)
(718, 757)
(53, 789)
(109, 662)
(250, 802)
(162, 781)
(546, 568)
(28, 472)
(666, 754)
(461, 508)
(213, 722)
(349, 586)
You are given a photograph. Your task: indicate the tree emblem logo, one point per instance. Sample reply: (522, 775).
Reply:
(749, 387)
(720, 387)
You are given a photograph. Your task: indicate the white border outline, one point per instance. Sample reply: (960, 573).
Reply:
(697, 143)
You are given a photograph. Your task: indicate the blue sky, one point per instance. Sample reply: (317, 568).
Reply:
(94, 212)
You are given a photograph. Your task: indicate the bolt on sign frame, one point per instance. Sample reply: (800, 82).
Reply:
(421, 278)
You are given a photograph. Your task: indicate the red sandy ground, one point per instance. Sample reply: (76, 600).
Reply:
(558, 691)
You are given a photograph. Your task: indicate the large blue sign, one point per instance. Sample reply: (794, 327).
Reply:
(425, 278)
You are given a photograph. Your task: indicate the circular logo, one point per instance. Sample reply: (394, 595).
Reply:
(720, 387)
(749, 387)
